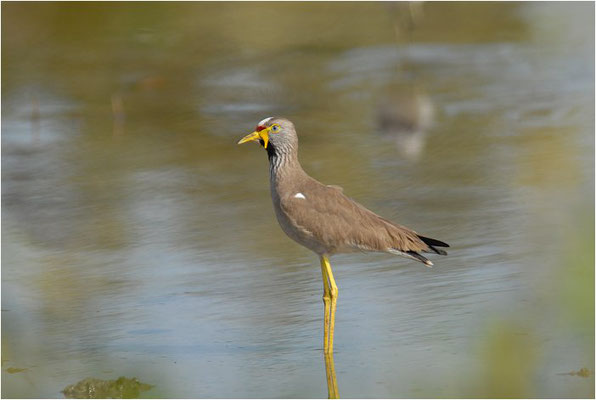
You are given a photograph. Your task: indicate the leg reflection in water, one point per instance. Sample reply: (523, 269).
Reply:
(332, 390)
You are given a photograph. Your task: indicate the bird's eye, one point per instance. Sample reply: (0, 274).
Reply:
(275, 128)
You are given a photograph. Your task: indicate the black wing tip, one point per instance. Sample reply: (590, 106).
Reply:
(433, 242)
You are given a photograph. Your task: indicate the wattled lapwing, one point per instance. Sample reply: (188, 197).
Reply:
(323, 219)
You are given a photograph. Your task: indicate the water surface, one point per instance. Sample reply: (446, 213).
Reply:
(138, 240)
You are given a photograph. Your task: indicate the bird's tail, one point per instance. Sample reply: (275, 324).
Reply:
(433, 244)
(413, 255)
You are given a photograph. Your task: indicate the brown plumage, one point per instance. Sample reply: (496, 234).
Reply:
(320, 217)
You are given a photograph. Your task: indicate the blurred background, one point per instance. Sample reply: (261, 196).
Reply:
(139, 240)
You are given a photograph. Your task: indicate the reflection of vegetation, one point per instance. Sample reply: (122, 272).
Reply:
(583, 372)
(510, 357)
(121, 388)
(12, 370)
(575, 282)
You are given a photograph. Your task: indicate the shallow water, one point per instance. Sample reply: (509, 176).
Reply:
(138, 240)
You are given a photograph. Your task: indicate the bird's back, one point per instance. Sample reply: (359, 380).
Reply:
(324, 219)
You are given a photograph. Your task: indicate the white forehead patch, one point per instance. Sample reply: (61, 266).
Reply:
(263, 122)
(299, 196)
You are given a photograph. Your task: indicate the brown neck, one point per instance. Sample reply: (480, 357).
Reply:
(284, 165)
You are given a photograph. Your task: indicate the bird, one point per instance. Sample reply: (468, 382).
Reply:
(405, 114)
(323, 219)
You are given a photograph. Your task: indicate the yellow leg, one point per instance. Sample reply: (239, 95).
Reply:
(326, 305)
(333, 292)
(332, 288)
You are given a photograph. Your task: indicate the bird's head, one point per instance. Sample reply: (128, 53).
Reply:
(274, 134)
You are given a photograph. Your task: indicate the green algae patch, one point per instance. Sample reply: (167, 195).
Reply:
(92, 388)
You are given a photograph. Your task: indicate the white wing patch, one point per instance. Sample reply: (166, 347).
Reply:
(263, 122)
(300, 196)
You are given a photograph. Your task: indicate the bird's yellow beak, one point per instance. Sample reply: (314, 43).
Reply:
(256, 135)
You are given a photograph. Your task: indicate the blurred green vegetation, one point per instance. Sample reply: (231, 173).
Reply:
(511, 351)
